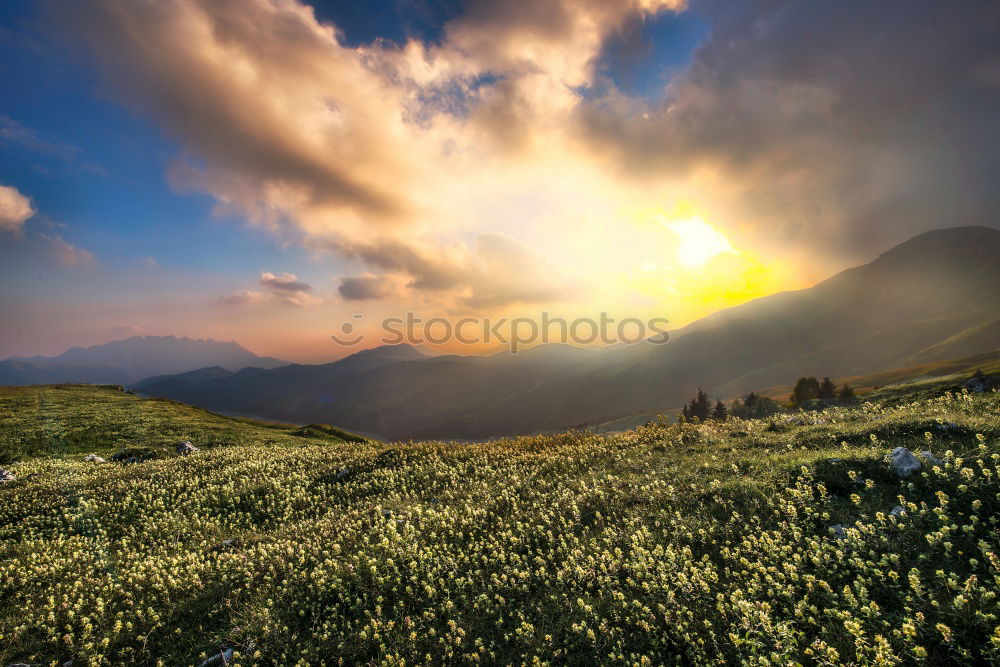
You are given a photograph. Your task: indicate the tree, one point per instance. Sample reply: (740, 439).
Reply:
(846, 392)
(699, 408)
(720, 412)
(827, 389)
(806, 389)
(754, 406)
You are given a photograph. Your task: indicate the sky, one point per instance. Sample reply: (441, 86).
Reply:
(266, 170)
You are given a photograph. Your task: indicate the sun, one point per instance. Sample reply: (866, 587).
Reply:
(699, 241)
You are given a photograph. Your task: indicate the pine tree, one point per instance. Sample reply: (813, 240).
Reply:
(827, 389)
(700, 407)
(846, 392)
(720, 412)
(806, 389)
(753, 406)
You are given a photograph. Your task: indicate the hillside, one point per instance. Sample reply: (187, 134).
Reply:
(953, 372)
(938, 376)
(131, 359)
(934, 295)
(669, 544)
(67, 420)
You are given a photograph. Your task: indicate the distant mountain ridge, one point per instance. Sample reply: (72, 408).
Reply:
(128, 360)
(934, 297)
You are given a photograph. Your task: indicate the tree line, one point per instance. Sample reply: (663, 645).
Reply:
(807, 389)
(755, 406)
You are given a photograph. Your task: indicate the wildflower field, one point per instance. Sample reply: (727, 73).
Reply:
(782, 542)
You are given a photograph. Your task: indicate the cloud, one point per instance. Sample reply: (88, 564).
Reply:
(286, 290)
(499, 271)
(15, 132)
(366, 286)
(508, 272)
(537, 56)
(834, 127)
(870, 129)
(278, 112)
(65, 252)
(15, 209)
(330, 145)
(242, 298)
(286, 282)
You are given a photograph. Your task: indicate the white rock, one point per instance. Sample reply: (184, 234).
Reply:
(6, 476)
(186, 448)
(94, 458)
(897, 510)
(904, 462)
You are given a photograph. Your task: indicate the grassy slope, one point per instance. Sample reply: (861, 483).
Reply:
(681, 543)
(61, 420)
(938, 376)
(951, 371)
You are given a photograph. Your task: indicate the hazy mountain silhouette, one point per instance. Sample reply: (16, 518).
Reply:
(935, 296)
(125, 361)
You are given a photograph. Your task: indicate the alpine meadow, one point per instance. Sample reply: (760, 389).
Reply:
(499, 332)
(782, 541)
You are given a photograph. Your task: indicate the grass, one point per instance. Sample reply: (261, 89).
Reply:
(64, 420)
(666, 544)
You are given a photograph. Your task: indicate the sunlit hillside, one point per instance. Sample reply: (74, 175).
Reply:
(758, 542)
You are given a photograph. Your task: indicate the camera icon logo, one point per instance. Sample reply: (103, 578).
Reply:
(348, 336)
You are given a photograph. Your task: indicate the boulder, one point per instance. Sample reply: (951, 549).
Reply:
(838, 532)
(978, 385)
(933, 460)
(94, 458)
(184, 448)
(221, 658)
(904, 462)
(6, 476)
(897, 510)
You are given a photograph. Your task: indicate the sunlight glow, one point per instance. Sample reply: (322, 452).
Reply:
(699, 242)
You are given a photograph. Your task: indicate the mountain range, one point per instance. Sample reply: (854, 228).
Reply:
(934, 297)
(126, 361)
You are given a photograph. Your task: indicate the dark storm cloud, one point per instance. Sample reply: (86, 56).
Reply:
(848, 123)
